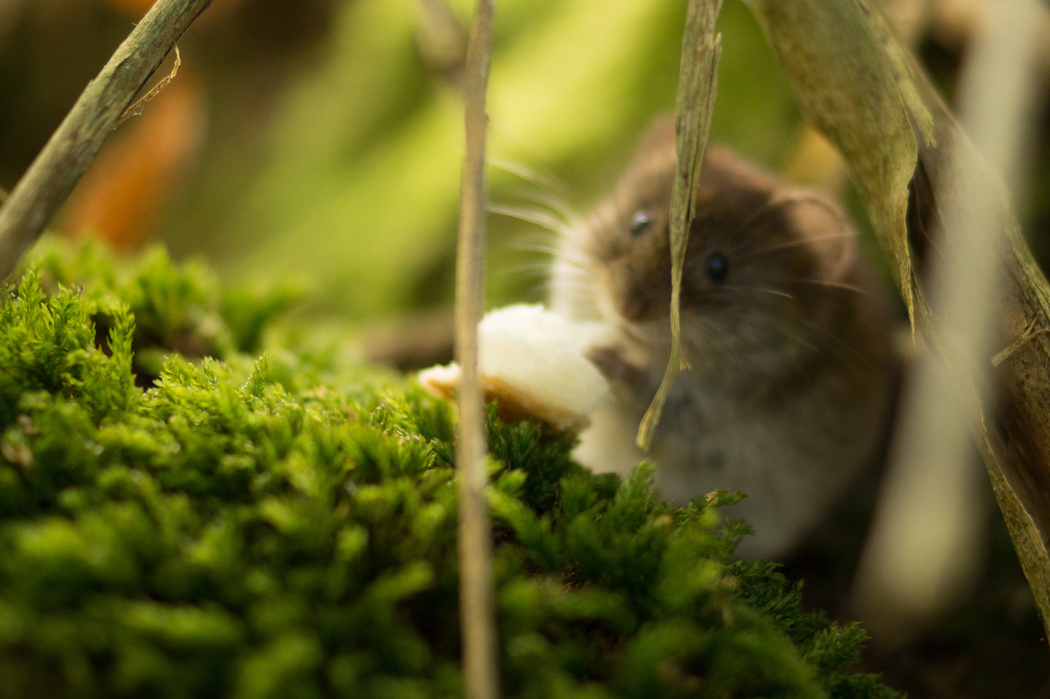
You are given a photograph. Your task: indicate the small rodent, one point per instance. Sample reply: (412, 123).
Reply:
(786, 329)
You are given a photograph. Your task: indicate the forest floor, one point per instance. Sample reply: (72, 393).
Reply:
(992, 646)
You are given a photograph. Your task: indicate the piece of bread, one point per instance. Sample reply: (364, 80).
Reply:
(531, 362)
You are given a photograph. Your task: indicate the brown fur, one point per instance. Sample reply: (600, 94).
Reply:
(792, 371)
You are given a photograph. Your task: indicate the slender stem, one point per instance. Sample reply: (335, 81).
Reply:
(697, 85)
(477, 609)
(67, 155)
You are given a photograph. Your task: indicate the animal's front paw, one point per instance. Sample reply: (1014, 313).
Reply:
(615, 368)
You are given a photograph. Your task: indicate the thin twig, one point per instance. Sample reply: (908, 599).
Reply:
(477, 609)
(59, 166)
(697, 85)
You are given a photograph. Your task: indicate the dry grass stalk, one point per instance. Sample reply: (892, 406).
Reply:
(697, 86)
(853, 83)
(477, 607)
(67, 155)
(922, 554)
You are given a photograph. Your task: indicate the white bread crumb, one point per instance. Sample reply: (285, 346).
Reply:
(531, 361)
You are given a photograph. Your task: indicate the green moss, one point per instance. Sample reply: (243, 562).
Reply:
(286, 527)
(177, 308)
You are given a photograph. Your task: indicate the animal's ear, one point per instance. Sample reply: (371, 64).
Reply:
(656, 148)
(825, 225)
(658, 135)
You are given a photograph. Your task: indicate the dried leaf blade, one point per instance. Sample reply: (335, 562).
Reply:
(853, 90)
(697, 86)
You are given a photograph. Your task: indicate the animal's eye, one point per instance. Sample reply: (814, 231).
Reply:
(640, 222)
(716, 267)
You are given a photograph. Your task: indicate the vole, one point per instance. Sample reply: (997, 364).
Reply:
(785, 327)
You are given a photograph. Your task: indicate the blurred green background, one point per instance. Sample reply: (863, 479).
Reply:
(321, 140)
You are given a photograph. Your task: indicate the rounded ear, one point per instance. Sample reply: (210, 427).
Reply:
(825, 225)
(659, 134)
(657, 145)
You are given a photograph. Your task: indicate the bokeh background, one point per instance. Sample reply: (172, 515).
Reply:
(321, 141)
(323, 138)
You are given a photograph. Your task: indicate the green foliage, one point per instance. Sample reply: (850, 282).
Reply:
(48, 346)
(177, 308)
(368, 125)
(286, 527)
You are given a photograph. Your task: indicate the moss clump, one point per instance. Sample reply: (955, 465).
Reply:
(177, 308)
(286, 527)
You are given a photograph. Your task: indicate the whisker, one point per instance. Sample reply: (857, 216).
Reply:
(822, 282)
(791, 196)
(576, 284)
(530, 175)
(539, 217)
(544, 247)
(837, 340)
(802, 342)
(717, 328)
(573, 281)
(831, 340)
(551, 202)
(803, 241)
(537, 268)
(775, 292)
(572, 248)
(577, 259)
(796, 195)
(768, 206)
(542, 290)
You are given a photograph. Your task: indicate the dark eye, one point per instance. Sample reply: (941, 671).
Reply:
(640, 222)
(716, 267)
